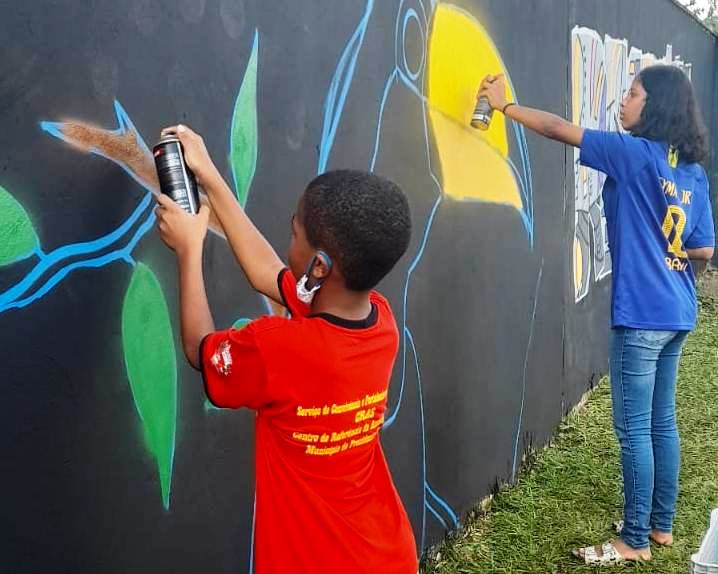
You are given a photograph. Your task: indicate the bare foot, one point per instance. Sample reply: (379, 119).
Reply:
(659, 537)
(631, 553)
(596, 554)
(662, 538)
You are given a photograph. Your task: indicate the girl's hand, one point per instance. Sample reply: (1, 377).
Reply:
(494, 88)
(181, 231)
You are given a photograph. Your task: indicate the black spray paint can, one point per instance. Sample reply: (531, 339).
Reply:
(176, 179)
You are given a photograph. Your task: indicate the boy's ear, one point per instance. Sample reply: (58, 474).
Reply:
(322, 266)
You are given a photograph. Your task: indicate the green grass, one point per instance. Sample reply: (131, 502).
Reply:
(569, 494)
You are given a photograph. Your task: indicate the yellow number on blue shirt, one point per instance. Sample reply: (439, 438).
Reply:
(670, 224)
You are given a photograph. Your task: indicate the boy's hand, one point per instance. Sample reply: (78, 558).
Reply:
(181, 231)
(195, 152)
(494, 88)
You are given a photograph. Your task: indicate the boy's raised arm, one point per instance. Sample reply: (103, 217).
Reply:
(255, 255)
(184, 234)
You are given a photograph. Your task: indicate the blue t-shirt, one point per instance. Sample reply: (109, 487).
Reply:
(654, 212)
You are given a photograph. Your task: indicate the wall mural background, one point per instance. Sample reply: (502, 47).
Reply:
(112, 454)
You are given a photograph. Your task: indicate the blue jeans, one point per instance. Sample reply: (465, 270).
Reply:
(643, 369)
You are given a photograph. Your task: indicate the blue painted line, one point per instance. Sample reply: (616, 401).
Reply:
(390, 420)
(68, 251)
(520, 134)
(423, 437)
(443, 504)
(125, 125)
(438, 517)
(55, 279)
(423, 12)
(396, 35)
(251, 543)
(121, 254)
(526, 361)
(143, 229)
(53, 128)
(342, 80)
(406, 80)
(387, 88)
(411, 14)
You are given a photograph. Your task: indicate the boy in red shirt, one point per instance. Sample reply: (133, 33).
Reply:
(318, 381)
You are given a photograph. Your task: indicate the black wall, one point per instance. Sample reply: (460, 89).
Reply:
(495, 349)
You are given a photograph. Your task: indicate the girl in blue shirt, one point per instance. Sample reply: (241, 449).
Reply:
(658, 215)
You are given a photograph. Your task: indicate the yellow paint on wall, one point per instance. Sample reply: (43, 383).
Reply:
(474, 163)
(471, 168)
(577, 266)
(576, 71)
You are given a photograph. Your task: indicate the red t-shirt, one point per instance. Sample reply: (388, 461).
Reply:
(325, 499)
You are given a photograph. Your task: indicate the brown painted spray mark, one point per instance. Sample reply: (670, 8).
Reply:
(125, 147)
(122, 148)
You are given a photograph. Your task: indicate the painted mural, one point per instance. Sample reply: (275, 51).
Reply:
(473, 166)
(383, 86)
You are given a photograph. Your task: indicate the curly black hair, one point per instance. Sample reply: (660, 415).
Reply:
(361, 220)
(671, 113)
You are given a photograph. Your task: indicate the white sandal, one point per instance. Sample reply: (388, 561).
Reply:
(605, 554)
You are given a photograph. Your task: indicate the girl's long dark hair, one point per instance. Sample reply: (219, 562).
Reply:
(671, 113)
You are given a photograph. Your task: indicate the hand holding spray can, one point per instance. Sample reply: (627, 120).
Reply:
(176, 179)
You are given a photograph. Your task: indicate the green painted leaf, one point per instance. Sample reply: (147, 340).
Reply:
(243, 137)
(151, 363)
(18, 239)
